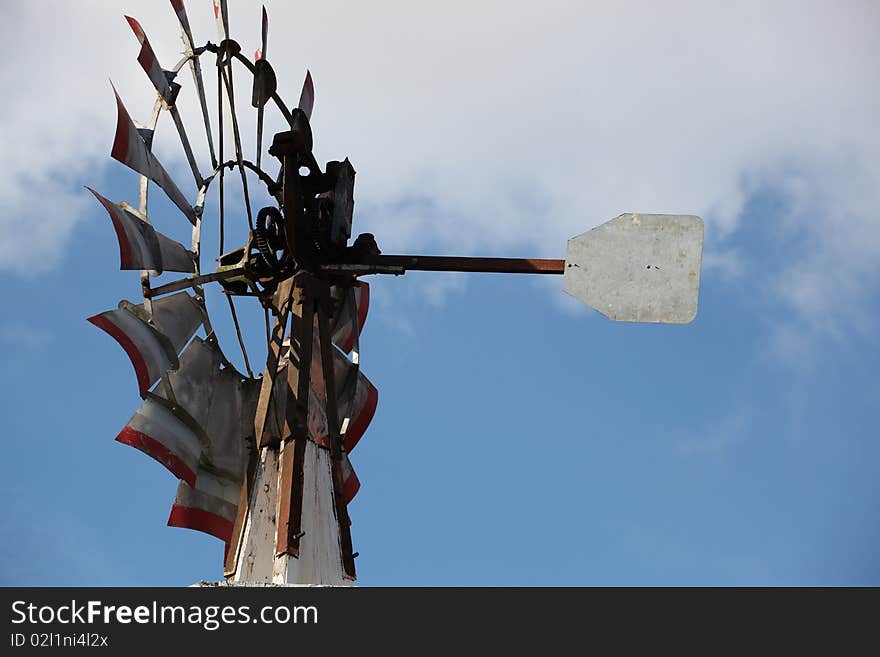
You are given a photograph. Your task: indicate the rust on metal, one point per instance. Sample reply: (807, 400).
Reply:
(281, 306)
(295, 434)
(333, 432)
(399, 264)
(195, 280)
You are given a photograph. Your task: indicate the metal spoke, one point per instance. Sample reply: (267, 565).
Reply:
(226, 73)
(244, 352)
(220, 146)
(187, 148)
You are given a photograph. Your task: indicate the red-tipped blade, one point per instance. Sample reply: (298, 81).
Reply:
(209, 506)
(343, 322)
(140, 245)
(148, 61)
(131, 149)
(221, 17)
(152, 346)
(180, 10)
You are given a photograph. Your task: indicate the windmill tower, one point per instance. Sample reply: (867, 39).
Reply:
(263, 461)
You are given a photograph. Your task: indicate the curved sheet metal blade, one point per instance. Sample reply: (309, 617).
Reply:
(307, 96)
(140, 245)
(153, 346)
(158, 432)
(199, 435)
(219, 402)
(350, 482)
(265, 82)
(221, 17)
(149, 62)
(343, 321)
(638, 268)
(230, 422)
(180, 10)
(209, 506)
(356, 396)
(264, 31)
(343, 204)
(178, 316)
(130, 148)
(318, 432)
(195, 380)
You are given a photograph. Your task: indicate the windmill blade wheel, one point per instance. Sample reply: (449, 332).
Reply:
(222, 433)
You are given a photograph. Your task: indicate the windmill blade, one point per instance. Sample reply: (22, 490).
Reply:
(221, 17)
(152, 345)
(172, 430)
(318, 430)
(195, 381)
(307, 96)
(343, 202)
(140, 245)
(638, 268)
(349, 314)
(162, 81)
(180, 11)
(362, 400)
(223, 405)
(229, 423)
(149, 62)
(265, 84)
(350, 482)
(130, 148)
(196, 69)
(208, 507)
(157, 431)
(216, 400)
(264, 32)
(356, 397)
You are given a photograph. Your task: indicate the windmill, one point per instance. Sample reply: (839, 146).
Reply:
(263, 461)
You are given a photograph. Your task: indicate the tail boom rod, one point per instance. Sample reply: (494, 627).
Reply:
(400, 264)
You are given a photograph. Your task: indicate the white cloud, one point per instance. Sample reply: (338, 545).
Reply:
(498, 127)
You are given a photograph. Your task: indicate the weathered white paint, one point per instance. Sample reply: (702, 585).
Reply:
(320, 558)
(257, 555)
(320, 553)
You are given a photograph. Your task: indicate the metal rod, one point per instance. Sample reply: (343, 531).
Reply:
(264, 46)
(195, 281)
(187, 148)
(247, 362)
(226, 72)
(279, 103)
(191, 55)
(399, 264)
(220, 147)
(144, 189)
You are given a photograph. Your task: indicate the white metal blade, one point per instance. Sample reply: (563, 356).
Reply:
(130, 148)
(142, 247)
(307, 97)
(638, 268)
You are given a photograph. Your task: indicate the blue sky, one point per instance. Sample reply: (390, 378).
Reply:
(519, 439)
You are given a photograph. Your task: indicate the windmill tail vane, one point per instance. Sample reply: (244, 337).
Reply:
(263, 462)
